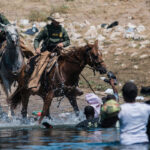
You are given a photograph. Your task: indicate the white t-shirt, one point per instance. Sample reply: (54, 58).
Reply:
(133, 120)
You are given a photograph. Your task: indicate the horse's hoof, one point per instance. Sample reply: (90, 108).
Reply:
(11, 114)
(77, 113)
(47, 125)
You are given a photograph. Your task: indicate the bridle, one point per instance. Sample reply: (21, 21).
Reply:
(11, 34)
(92, 59)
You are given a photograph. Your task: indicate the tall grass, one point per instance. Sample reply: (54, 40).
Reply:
(36, 15)
(60, 9)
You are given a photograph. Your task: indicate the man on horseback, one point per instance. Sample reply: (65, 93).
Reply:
(54, 36)
(4, 21)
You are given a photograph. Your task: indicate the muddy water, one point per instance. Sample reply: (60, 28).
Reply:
(62, 138)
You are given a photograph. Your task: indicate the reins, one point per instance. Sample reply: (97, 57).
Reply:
(88, 83)
(78, 62)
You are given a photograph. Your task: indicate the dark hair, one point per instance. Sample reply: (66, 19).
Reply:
(129, 91)
(108, 97)
(89, 110)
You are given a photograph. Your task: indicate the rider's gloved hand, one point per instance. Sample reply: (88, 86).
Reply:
(38, 51)
(60, 45)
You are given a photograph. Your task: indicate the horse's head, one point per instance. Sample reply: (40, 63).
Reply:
(94, 58)
(11, 33)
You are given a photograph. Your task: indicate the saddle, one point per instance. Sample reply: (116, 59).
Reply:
(41, 63)
(2, 46)
(28, 52)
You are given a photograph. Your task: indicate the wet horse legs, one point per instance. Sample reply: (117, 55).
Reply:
(25, 100)
(73, 102)
(46, 106)
(48, 111)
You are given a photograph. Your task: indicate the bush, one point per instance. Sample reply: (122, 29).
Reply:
(60, 9)
(36, 15)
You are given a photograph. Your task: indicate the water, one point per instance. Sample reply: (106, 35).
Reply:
(30, 136)
(62, 138)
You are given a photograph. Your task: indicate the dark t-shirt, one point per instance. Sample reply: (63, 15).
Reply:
(91, 123)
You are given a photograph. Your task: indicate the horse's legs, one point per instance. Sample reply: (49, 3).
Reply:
(24, 99)
(10, 111)
(48, 111)
(6, 85)
(7, 88)
(73, 102)
(46, 106)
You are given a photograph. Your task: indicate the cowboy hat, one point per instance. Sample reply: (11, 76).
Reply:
(56, 17)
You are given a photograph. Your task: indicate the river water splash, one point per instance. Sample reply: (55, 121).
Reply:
(16, 133)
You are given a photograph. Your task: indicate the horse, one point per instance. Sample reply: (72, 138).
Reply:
(62, 79)
(11, 59)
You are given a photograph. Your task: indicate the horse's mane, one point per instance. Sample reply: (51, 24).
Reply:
(73, 50)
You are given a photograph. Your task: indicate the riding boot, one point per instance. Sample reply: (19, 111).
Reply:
(78, 91)
(2, 45)
(74, 91)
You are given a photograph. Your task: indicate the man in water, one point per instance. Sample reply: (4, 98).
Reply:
(109, 112)
(108, 115)
(90, 121)
(133, 117)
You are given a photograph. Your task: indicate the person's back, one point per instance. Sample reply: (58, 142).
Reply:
(89, 123)
(133, 117)
(109, 112)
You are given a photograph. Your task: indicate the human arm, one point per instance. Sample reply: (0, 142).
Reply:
(41, 36)
(112, 83)
(4, 20)
(66, 39)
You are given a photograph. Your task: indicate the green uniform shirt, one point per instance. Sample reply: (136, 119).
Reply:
(52, 35)
(5, 21)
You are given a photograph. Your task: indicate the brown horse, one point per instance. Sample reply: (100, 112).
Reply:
(62, 79)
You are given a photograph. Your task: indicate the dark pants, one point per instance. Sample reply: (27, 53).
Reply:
(52, 49)
(2, 38)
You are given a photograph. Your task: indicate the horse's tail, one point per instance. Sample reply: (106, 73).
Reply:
(15, 99)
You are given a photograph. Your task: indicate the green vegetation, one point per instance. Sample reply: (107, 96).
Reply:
(60, 9)
(36, 15)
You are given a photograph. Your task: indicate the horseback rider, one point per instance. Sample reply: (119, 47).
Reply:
(53, 35)
(3, 20)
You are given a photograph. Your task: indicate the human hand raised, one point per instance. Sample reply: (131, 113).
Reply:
(112, 83)
(38, 51)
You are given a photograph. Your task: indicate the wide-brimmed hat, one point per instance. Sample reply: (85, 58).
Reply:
(56, 17)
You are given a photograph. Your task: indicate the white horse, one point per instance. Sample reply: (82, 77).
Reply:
(12, 59)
